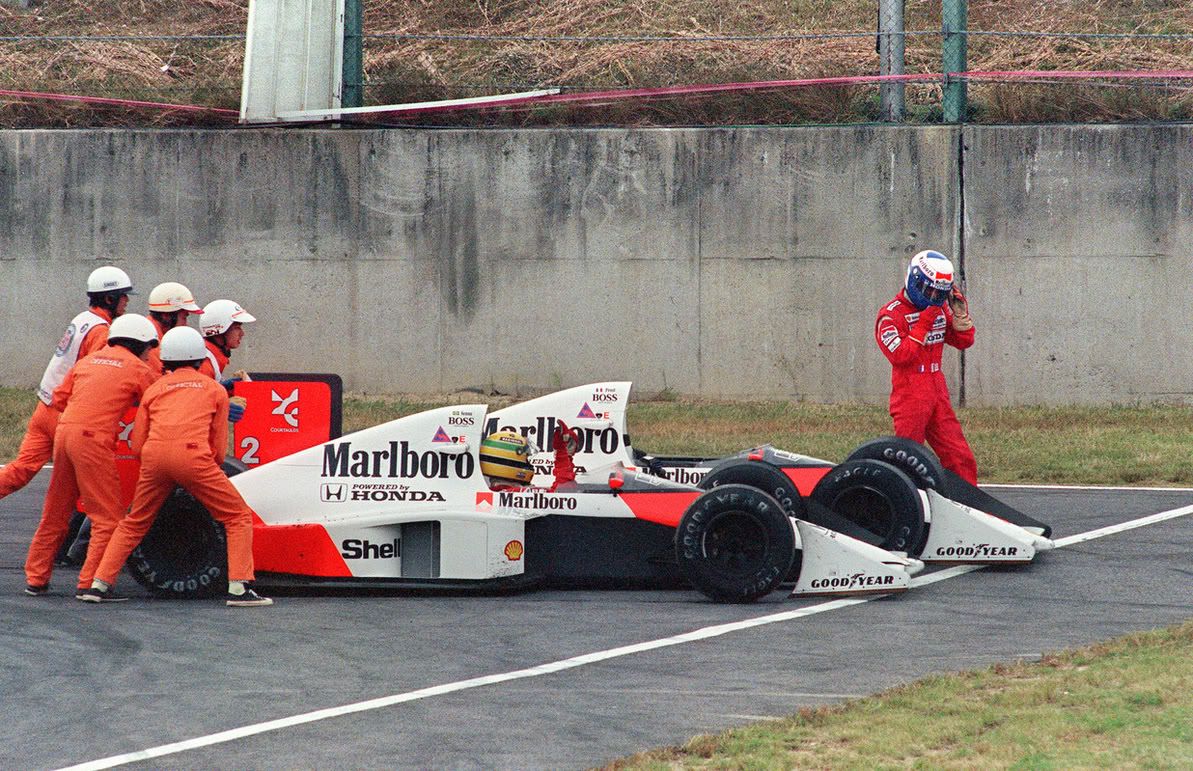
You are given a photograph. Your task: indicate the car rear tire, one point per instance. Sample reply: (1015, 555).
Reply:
(185, 554)
(879, 498)
(735, 543)
(768, 479)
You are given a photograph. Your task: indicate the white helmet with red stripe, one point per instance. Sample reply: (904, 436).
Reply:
(929, 279)
(220, 315)
(170, 297)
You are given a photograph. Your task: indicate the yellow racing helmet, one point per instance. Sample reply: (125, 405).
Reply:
(505, 455)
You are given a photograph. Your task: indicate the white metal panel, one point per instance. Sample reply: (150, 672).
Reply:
(294, 58)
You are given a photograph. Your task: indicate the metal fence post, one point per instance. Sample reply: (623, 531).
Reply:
(890, 57)
(954, 15)
(352, 94)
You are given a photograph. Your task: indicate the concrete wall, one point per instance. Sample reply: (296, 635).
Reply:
(746, 262)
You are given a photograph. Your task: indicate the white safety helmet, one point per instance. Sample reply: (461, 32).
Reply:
(172, 296)
(109, 279)
(220, 315)
(183, 344)
(133, 326)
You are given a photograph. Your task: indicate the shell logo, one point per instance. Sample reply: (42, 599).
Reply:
(513, 551)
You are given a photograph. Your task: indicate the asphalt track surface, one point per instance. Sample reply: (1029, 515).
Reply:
(82, 683)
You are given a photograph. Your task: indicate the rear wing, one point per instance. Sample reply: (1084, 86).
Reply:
(598, 413)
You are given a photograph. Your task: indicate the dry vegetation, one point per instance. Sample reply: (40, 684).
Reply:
(208, 71)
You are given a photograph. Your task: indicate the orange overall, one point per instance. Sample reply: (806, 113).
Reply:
(38, 444)
(93, 397)
(213, 351)
(181, 431)
(154, 359)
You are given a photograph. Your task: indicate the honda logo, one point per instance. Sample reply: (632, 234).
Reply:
(333, 493)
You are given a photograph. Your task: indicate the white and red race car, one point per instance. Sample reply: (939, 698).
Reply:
(404, 505)
(890, 492)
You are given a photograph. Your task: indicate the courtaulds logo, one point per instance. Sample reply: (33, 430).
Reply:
(333, 493)
(126, 430)
(287, 406)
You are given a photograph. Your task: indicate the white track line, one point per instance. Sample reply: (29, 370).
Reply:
(706, 633)
(1163, 516)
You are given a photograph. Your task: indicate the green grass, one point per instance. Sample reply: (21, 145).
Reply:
(1127, 703)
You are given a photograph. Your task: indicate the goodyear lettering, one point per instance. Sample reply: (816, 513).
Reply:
(396, 461)
(855, 581)
(909, 461)
(978, 551)
(536, 500)
(364, 549)
(604, 440)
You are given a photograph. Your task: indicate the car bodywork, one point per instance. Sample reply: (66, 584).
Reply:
(404, 505)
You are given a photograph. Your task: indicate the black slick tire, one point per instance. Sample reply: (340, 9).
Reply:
(184, 555)
(879, 498)
(735, 543)
(768, 479)
(912, 458)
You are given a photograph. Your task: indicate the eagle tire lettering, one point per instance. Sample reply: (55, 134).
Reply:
(878, 498)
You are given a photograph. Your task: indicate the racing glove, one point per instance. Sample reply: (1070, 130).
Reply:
(236, 407)
(923, 325)
(960, 307)
(566, 443)
(565, 439)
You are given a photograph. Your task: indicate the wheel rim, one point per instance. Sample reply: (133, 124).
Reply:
(735, 542)
(869, 509)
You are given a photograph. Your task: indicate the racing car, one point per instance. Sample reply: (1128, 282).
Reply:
(404, 505)
(890, 492)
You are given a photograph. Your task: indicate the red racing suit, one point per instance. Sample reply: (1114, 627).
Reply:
(920, 403)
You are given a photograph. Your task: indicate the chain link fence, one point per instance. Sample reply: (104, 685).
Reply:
(1008, 61)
